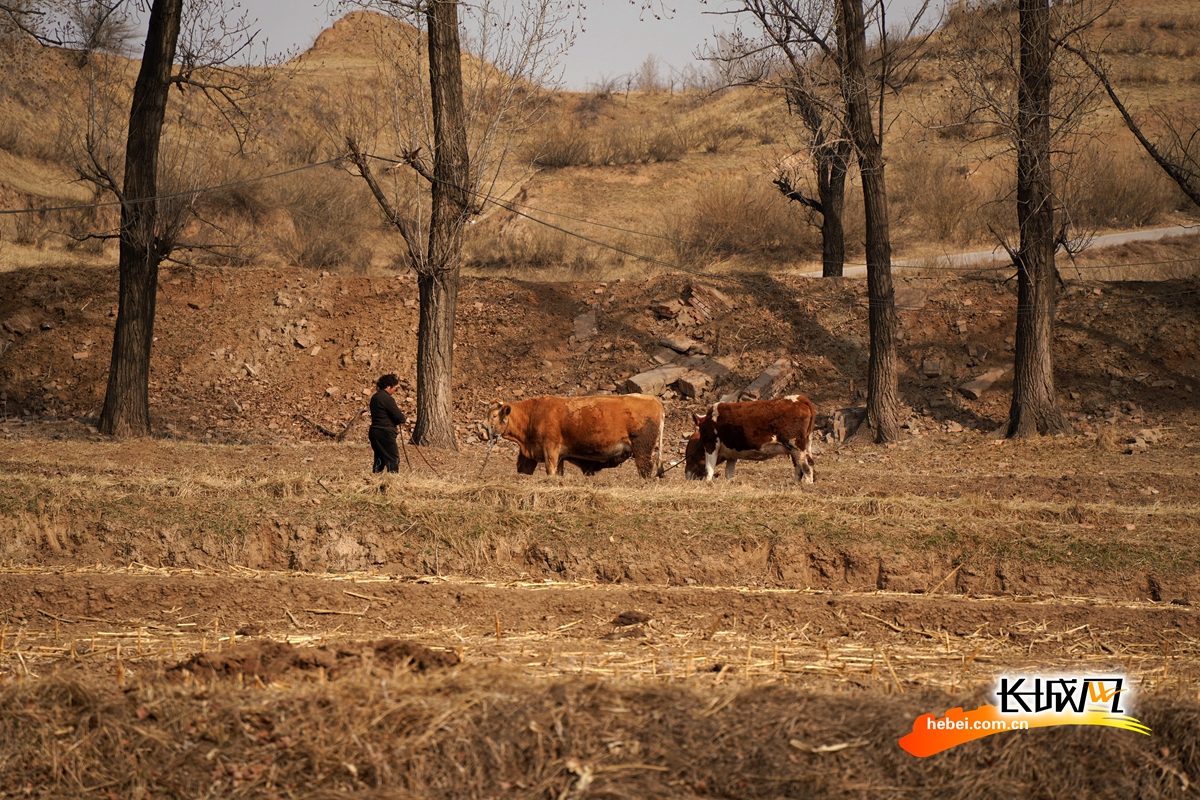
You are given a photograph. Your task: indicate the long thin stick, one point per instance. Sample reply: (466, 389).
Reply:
(346, 429)
(943, 580)
(320, 428)
(491, 444)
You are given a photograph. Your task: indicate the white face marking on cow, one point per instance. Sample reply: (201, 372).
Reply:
(710, 463)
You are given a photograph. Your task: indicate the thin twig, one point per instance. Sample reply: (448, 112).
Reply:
(943, 580)
(334, 611)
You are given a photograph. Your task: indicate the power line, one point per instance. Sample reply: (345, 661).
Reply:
(513, 208)
(172, 195)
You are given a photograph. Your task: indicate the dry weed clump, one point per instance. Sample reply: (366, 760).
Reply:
(741, 216)
(525, 250)
(566, 147)
(473, 732)
(1119, 190)
(330, 215)
(716, 132)
(614, 143)
(938, 195)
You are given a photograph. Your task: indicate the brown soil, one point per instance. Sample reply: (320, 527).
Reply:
(240, 354)
(183, 610)
(719, 692)
(260, 616)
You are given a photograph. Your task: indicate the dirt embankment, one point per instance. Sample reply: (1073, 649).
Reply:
(240, 353)
(955, 515)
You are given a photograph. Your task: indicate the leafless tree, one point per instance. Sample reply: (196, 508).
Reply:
(1035, 402)
(816, 52)
(1032, 102)
(453, 132)
(883, 400)
(785, 52)
(104, 26)
(648, 78)
(151, 166)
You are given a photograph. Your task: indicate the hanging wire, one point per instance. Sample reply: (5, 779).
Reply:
(515, 209)
(173, 195)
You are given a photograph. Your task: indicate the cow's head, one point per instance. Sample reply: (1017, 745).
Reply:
(496, 420)
(697, 446)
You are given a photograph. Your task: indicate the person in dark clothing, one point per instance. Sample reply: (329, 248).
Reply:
(385, 417)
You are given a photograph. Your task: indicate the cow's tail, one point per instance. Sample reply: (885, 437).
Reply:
(662, 421)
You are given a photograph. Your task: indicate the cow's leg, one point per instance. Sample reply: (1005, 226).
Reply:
(807, 462)
(526, 465)
(801, 461)
(645, 464)
(554, 461)
(710, 463)
(730, 467)
(640, 445)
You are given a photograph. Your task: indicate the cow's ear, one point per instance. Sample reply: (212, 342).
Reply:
(505, 410)
(697, 419)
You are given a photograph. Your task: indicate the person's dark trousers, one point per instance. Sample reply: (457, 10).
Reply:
(387, 455)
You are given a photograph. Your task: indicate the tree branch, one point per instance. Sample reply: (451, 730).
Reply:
(20, 16)
(791, 193)
(362, 162)
(1187, 179)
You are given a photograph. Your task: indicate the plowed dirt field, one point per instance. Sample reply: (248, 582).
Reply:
(237, 607)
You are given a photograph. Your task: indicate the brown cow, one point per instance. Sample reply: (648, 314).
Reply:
(594, 433)
(753, 431)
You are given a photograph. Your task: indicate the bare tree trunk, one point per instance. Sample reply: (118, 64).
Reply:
(832, 162)
(831, 189)
(1035, 402)
(438, 294)
(126, 401)
(450, 207)
(830, 203)
(883, 400)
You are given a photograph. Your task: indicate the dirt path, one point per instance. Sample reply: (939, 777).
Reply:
(997, 254)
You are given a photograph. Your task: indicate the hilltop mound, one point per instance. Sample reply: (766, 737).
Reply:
(356, 37)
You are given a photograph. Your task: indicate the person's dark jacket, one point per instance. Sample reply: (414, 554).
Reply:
(385, 414)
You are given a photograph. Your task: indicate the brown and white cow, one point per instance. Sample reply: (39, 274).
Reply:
(593, 433)
(752, 431)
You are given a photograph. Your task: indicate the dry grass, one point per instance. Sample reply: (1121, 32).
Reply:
(931, 191)
(472, 731)
(676, 142)
(743, 216)
(612, 145)
(1121, 190)
(328, 218)
(488, 527)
